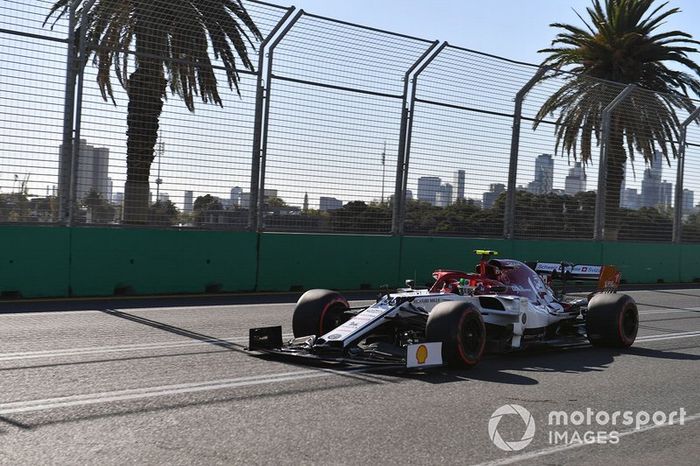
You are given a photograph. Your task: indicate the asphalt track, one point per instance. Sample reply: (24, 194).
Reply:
(168, 382)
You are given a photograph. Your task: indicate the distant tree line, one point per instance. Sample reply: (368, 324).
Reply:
(537, 216)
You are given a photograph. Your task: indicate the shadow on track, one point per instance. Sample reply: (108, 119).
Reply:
(136, 302)
(39, 419)
(659, 354)
(222, 343)
(493, 369)
(176, 330)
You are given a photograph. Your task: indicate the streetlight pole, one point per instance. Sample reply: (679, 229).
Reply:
(383, 169)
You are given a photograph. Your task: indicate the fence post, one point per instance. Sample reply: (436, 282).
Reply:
(258, 124)
(399, 189)
(678, 203)
(408, 131)
(262, 111)
(599, 220)
(509, 214)
(65, 165)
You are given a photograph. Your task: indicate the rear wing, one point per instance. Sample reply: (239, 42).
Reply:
(607, 276)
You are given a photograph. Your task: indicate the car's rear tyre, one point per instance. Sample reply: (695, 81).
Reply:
(317, 312)
(460, 328)
(612, 320)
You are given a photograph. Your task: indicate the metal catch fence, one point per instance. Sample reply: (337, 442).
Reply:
(269, 118)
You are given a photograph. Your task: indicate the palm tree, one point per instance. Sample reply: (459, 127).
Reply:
(171, 40)
(621, 44)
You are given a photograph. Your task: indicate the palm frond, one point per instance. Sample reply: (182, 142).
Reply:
(620, 42)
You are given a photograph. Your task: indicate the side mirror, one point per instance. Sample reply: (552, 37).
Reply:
(410, 283)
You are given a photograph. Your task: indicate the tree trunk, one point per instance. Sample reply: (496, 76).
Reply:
(615, 174)
(146, 89)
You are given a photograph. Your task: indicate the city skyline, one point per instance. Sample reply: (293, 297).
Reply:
(93, 163)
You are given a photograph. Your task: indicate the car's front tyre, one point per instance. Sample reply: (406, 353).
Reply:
(318, 312)
(460, 328)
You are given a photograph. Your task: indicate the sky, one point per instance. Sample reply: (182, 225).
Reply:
(514, 29)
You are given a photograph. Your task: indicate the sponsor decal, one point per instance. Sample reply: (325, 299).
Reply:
(335, 336)
(547, 267)
(587, 269)
(421, 354)
(424, 355)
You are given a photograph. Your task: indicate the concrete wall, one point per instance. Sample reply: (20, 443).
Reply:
(58, 261)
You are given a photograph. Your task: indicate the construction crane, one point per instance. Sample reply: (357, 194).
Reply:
(23, 185)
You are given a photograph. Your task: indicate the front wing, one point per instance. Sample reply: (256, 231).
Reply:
(269, 341)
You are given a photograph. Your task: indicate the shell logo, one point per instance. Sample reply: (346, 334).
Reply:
(422, 354)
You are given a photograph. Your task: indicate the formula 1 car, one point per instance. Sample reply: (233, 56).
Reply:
(505, 305)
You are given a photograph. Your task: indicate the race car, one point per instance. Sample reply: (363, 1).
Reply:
(505, 305)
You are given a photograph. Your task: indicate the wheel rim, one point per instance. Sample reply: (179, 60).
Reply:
(471, 334)
(630, 323)
(332, 318)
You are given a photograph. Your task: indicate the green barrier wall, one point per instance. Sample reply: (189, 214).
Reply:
(301, 261)
(34, 261)
(134, 261)
(689, 263)
(58, 262)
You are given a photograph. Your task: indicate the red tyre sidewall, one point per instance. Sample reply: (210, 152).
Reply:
(338, 300)
(624, 339)
(467, 360)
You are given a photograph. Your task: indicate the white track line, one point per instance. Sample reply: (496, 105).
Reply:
(560, 448)
(693, 310)
(353, 303)
(80, 351)
(668, 336)
(118, 348)
(151, 392)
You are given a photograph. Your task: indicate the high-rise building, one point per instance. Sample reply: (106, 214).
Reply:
(630, 199)
(92, 172)
(245, 201)
(188, 203)
(329, 203)
(245, 197)
(163, 197)
(653, 194)
(460, 179)
(657, 165)
(444, 195)
(576, 180)
(495, 190)
(688, 201)
(428, 188)
(544, 175)
(666, 193)
(236, 193)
